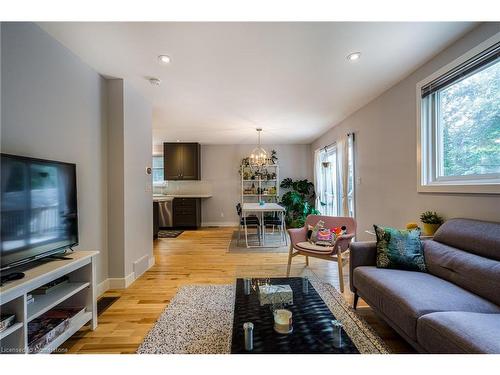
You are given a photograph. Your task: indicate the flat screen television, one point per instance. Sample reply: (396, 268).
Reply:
(38, 209)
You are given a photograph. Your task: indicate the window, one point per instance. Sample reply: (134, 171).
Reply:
(334, 178)
(329, 202)
(158, 169)
(459, 125)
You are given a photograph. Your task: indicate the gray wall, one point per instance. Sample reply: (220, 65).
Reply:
(129, 189)
(220, 165)
(138, 197)
(386, 153)
(54, 107)
(116, 179)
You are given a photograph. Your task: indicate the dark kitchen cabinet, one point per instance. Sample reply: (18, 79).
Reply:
(187, 212)
(182, 161)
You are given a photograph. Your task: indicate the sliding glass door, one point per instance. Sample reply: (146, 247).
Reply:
(335, 178)
(329, 201)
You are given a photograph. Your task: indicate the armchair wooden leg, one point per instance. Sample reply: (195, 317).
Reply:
(355, 302)
(307, 260)
(341, 272)
(289, 260)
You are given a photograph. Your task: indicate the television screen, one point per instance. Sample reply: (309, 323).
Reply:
(39, 210)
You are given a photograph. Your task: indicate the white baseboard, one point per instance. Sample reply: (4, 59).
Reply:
(219, 224)
(151, 261)
(102, 287)
(121, 282)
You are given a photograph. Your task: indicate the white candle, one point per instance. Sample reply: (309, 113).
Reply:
(283, 321)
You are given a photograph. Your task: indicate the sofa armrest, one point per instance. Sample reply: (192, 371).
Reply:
(297, 235)
(361, 254)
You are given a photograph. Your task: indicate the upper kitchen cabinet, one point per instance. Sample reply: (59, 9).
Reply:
(182, 161)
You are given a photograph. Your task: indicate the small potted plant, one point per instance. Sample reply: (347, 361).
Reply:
(431, 221)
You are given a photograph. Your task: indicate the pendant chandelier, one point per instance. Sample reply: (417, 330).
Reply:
(259, 157)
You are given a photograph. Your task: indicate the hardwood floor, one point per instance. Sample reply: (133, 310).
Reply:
(197, 257)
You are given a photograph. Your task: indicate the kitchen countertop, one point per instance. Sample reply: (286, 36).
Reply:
(164, 197)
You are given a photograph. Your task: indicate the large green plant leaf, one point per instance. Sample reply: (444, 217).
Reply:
(298, 201)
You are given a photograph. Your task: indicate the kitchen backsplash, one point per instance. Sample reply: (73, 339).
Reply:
(184, 187)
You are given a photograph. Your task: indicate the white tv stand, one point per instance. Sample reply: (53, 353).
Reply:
(79, 291)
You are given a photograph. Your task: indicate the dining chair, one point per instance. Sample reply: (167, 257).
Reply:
(338, 252)
(250, 221)
(276, 220)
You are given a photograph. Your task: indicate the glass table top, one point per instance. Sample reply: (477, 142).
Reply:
(315, 328)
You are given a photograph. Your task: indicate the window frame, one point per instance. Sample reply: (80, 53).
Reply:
(428, 178)
(156, 183)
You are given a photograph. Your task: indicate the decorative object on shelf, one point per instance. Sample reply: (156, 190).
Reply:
(274, 157)
(298, 201)
(52, 286)
(259, 156)
(432, 221)
(6, 321)
(283, 321)
(46, 328)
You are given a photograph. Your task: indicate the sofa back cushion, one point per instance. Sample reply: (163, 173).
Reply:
(477, 274)
(474, 236)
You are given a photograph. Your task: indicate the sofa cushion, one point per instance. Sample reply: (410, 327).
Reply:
(475, 273)
(399, 249)
(404, 296)
(474, 236)
(459, 332)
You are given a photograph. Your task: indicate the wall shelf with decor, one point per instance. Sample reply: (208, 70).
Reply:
(261, 184)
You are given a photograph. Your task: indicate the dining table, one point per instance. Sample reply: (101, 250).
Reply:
(260, 209)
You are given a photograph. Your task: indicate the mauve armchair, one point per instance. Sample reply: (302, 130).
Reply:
(338, 252)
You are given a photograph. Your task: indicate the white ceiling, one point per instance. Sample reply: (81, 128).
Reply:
(226, 79)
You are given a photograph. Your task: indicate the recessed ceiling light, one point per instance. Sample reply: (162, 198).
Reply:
(354, 56)
(155, 81)
(164, 59)
(178, 140)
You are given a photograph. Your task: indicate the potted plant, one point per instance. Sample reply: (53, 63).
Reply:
(431, 221)
(298, 201)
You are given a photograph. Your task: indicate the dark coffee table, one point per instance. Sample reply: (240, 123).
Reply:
(313, 323)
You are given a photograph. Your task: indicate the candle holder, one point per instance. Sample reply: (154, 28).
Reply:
(247, 283)
(283, 321)
(248, 329)
(305, 285)
(337, 334)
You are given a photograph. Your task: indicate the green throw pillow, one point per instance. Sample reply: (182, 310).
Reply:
(399, 249)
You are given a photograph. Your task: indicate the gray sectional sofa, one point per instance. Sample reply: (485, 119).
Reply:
(455, 307)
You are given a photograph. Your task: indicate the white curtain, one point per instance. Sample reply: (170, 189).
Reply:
(343, 174)
(318, 179)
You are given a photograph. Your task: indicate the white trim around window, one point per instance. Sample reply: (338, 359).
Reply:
(429, 180)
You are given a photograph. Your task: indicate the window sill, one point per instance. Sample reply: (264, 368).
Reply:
(460, 189)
